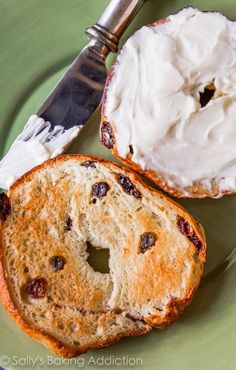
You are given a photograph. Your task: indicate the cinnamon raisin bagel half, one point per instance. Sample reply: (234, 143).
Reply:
(50, 217)
(169, 107)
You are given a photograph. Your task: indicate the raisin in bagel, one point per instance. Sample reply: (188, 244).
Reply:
(157, 253)
(169, 106)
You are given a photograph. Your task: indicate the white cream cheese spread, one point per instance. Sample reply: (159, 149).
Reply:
(33, 146)
(153, 99)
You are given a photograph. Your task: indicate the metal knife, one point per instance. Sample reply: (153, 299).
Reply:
(74, 99)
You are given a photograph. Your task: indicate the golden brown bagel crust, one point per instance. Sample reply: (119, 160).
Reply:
(175, 306)
(195, 191)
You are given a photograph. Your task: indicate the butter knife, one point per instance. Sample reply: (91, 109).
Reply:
(73, 100)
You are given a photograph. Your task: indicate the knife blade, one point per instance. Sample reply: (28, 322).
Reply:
(78, 94)
(74, 99)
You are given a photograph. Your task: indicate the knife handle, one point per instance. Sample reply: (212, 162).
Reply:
(113, 22)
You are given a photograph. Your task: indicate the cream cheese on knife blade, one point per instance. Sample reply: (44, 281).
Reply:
(24, 155)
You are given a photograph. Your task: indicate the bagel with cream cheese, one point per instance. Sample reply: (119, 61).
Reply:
(169, 106)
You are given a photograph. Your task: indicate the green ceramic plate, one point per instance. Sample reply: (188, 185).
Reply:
(38, 39)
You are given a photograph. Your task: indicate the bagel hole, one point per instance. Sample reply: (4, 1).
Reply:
(98, 258)
(207, 94)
